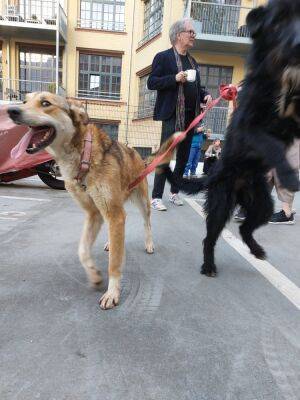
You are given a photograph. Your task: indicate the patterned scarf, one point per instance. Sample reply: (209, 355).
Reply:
(180, 106)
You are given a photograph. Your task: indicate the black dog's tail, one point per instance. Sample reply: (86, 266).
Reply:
(189, 186)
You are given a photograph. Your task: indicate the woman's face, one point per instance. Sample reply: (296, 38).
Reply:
(187, 37)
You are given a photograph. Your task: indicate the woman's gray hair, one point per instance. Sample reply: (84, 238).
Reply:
(177, 27)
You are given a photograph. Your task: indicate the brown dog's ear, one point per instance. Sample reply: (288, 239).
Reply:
(78, 113)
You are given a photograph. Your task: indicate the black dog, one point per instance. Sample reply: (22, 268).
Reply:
(264, 124)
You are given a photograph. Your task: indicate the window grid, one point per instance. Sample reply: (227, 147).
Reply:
(153, 18)
(102, 14)
(212, 76)
(38, 8)
(146, 99)
(37, 72)
(99, 76)
(144, 152)
(112, 130)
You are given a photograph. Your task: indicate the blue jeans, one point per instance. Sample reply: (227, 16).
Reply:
(192, 161)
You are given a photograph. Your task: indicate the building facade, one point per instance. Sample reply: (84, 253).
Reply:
(101, 51)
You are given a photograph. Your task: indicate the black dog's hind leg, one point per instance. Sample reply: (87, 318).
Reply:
(219, 207)
(258, 205)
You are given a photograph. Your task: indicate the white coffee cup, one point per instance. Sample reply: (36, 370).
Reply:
(190, 75)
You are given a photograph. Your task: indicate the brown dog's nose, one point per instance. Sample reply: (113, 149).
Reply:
(14, 112)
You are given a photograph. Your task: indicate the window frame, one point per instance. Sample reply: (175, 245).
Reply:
(93, 68)
(153, 10)
(111, 15)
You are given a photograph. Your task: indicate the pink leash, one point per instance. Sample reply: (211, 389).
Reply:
(227, 92)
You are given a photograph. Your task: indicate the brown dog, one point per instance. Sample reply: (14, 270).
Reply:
(59, 126)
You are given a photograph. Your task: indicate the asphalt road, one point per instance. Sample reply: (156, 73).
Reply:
(176, 335)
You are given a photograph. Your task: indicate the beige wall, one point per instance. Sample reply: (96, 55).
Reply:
(134, 60)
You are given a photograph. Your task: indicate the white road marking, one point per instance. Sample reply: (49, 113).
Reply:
(276, 278)
(23, 198)
(11, 215)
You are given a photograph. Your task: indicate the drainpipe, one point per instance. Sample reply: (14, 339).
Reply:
(8, 67)
(129, 80)
(57, 48)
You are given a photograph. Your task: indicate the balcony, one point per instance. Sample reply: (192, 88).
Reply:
(14, 90)
(220, 27)
(32, 19)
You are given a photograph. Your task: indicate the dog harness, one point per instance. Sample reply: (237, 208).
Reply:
(85, 159)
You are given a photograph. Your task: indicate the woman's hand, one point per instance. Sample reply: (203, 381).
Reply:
(181, 77)
(207, 99)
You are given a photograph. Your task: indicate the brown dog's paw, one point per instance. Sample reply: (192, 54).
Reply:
(95, 278)
(110, 299)
(150, 248)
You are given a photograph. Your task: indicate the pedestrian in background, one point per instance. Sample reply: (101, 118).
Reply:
(286, 215)
(198, 140)
(175, 75)
(212, 154)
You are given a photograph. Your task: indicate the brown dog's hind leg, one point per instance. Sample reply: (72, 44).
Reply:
(141, 200)
(116, 221)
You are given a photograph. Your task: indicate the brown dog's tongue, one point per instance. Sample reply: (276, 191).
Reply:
(21, 147)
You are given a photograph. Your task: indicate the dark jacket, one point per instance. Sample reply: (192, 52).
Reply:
(162, 79)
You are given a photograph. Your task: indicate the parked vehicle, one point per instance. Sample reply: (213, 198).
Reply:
(41, 164)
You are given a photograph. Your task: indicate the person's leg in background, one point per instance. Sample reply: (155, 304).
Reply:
(188, 164)
(195, 160)
(168, 128)
(286, 215)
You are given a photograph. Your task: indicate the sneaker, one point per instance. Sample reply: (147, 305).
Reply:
(281, 218)
(158, 205)
(185, 176)
(193, 176)
(175, 199)
(240, 215)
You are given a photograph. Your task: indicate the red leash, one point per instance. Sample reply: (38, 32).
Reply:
(227, 92)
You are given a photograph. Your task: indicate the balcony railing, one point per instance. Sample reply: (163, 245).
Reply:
(16, 89)
(98, 95)
(37, 13)
(220, 19)
(101, 25)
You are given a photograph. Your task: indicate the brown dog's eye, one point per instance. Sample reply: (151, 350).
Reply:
(45, 103)
(24, 102)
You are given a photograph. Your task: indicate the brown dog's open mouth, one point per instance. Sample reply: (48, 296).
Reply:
(36, 139)
(42, 136)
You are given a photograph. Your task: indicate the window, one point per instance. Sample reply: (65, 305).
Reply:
(37, 71)
(111, 129)
(37, 9)
(102, 14)
(99, 76)
(144, 152)
(212, 76)
(146, 99)
(153, 18)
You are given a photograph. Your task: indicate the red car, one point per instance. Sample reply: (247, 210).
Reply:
(41, 164)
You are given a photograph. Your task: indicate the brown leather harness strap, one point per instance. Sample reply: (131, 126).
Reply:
(85, 160)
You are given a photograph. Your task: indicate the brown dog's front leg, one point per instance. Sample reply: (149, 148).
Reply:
(116, 252)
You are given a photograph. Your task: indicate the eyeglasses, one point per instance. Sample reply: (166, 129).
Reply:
(190, 32)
